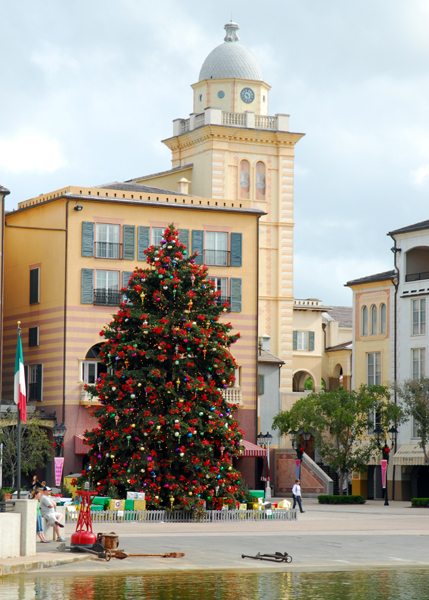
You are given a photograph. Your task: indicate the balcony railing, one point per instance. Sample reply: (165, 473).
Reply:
(86, 399)
(106, 297)
(233, 395)
(417, 276)
(218, 258)
(107, 250)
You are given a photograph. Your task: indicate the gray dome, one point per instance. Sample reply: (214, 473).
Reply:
(231, 60)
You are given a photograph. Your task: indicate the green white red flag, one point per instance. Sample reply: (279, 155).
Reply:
(20, 394)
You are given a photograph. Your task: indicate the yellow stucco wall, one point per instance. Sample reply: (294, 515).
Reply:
(369, 294)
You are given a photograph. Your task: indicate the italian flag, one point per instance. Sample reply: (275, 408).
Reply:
(20, 394)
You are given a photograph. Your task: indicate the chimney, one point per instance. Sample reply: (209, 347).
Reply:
(183, 186)
(265, 342)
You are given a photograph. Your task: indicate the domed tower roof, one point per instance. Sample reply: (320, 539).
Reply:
(231, 60)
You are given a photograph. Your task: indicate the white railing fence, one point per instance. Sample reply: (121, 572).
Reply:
(184, 516)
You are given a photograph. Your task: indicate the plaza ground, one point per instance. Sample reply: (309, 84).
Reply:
(325, 537)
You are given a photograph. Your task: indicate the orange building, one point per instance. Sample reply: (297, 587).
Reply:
(68, 254)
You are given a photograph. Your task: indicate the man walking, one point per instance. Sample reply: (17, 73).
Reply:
(296, 493)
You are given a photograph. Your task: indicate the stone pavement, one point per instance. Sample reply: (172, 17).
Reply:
(325, 537)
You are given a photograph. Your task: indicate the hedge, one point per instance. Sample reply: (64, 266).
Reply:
(420, 502)
(327, 499)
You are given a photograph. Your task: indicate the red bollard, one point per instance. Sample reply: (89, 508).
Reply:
(84, 536)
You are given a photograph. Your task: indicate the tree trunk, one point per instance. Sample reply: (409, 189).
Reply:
(341, 482)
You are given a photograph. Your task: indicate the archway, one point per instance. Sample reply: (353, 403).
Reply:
(336, 380)
(301, 381)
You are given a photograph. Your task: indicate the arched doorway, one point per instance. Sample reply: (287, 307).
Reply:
(336, 381)
(303, 381)
(92, 367)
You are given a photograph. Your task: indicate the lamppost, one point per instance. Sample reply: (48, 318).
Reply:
(297, 447)
(385, 451)
(264, 440)
(59, 432)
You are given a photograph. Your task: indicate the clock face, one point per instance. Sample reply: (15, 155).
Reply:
(247, 95)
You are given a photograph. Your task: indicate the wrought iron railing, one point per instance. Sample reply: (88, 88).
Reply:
(218, 258)
(107, 250)
(417, 276)
(220, 301)
(106, 297)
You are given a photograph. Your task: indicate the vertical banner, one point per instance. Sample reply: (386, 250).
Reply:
(297, 469)
(59, 464)
(383, 472)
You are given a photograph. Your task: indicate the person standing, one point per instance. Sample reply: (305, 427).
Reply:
(296, 493)
(47, 509)
(37, 494)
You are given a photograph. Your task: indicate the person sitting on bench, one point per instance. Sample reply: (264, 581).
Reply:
(47, 509)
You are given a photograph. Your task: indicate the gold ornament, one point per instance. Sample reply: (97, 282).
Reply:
(204, 352)
(142, 295)
(178, 383)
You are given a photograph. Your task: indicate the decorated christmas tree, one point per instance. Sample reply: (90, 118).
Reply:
(165, 427)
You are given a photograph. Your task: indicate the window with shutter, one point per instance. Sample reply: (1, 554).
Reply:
(129, 242)
(261, 384)
(125, 279)
(295, 340)
(87, 238)
(198, 245)
(311, 344)
(87, 286)
(33, 336)
(143, 242)
(34, 286)
(184, 237)
(236, 249)
(35, 382)
(235, 294)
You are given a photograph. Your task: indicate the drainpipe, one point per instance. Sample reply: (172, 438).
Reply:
(395, 282)
(3, 193)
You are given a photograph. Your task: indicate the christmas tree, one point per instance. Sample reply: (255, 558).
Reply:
(165, 427)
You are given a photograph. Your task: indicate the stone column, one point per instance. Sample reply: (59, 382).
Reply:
(28, 511)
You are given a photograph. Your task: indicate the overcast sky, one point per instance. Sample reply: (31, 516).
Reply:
(90, 87)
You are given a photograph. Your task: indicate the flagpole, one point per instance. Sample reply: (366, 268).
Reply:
(18, 441)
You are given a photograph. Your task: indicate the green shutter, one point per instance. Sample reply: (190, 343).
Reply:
(143, 242)
(295, 340)
(125, 279)
(184, 237)
(34, 286)
(236, 250)
(87, 238)
(33, 336)
(311, 341)
(129, 242)
(235, 294)
(198, 245)
(39, 382)
(261, 384)
(87, 286)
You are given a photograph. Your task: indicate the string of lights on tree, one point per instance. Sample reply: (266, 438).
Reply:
(164, 426)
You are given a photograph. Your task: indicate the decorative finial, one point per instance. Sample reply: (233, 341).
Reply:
(231, 32)
(19, 323)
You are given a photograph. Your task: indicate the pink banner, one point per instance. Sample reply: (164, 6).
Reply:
(383, 472)
(297, 465)
(59, 464)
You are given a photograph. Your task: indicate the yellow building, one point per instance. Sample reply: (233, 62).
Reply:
(373, 298)
(231, 149)
(67, 255)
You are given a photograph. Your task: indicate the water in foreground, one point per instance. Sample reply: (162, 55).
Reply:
(388, 584)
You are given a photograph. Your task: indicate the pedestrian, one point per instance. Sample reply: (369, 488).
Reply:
(296, 494)
(36, 484)
(37, 494)
(47, 509)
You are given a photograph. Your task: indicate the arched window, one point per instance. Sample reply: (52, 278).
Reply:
(244, 180)
(383, 318)
(373, 320)
(364, 320)
(260, 181)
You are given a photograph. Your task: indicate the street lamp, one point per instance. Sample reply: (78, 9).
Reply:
(385, 450)
(59, 433)
(264, 440)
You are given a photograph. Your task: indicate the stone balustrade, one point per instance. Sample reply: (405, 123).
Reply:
(216, 116)
(233, 395)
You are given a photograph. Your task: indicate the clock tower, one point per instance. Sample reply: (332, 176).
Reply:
(237, 152)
